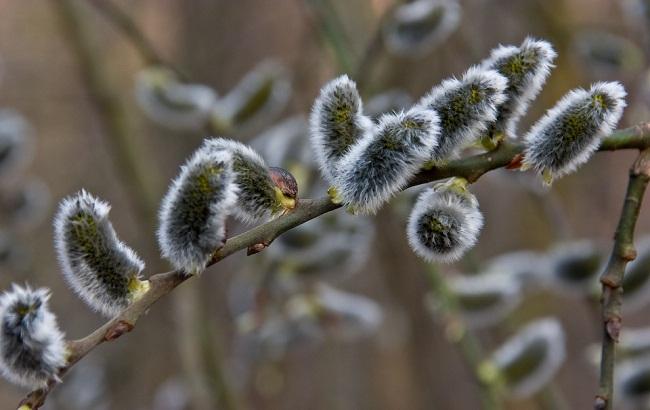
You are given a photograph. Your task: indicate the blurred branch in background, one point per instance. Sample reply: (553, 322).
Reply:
(471, 168)
(127, 26)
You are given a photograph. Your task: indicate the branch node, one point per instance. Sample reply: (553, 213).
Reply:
(613, 325)
(118, 330)
(600, 403)
(257, 248)
(516, 162)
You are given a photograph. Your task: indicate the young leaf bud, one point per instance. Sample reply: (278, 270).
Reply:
(526, 67)
(32, 348)
(381, 164)
(336, 124)
(194, 210)
(15, 144)
(636, 281)
(445, 222)
(465, 108)
(632, 381)
(485, 300)
(417, 27)
(263, 191)
(256, 100)
(569, 133)
(100, 268)
(574, 266)
(171, 103)
(530, 359)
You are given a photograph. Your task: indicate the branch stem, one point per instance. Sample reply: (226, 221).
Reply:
(471, 168)
(622, 252)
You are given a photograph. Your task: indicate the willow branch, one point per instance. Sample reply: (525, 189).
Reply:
(162, 284)
(623, 252)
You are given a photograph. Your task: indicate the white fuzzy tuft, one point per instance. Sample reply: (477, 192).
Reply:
(32, 348)
(463, 120)
(547, 331)
(95, 263)
(256, 196)
(522, 87)
(171, 103)
(331, 137)
(194, 210)
(558, 147)
(382, 163)
(462, 223)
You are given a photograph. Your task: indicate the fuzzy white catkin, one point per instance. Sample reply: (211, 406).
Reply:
(526, 68)
(569, 133)
(16, 146)
(465, 108)
(631, 381)
(484, 300)
(543, 336)
(170, 103)
(32, 348)
(256, 197)
(336, 124)
(417, 27)
(194, 210)
(257, 99)
(382, 163)
(574, 267)
(100, 268)
(444, 224)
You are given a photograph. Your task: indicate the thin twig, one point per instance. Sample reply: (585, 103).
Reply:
(623, 252)
(162, 284)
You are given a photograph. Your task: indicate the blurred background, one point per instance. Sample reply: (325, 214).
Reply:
(112, 96)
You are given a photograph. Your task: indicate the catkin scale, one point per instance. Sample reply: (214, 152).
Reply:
(444, 222)
(194, 210)
(32, 348)
(569, 133)
(99, 267)
(465, 108)
(336, 124)
(382, 163)
(526, 68)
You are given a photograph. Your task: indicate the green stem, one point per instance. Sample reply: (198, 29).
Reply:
(467, 342)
